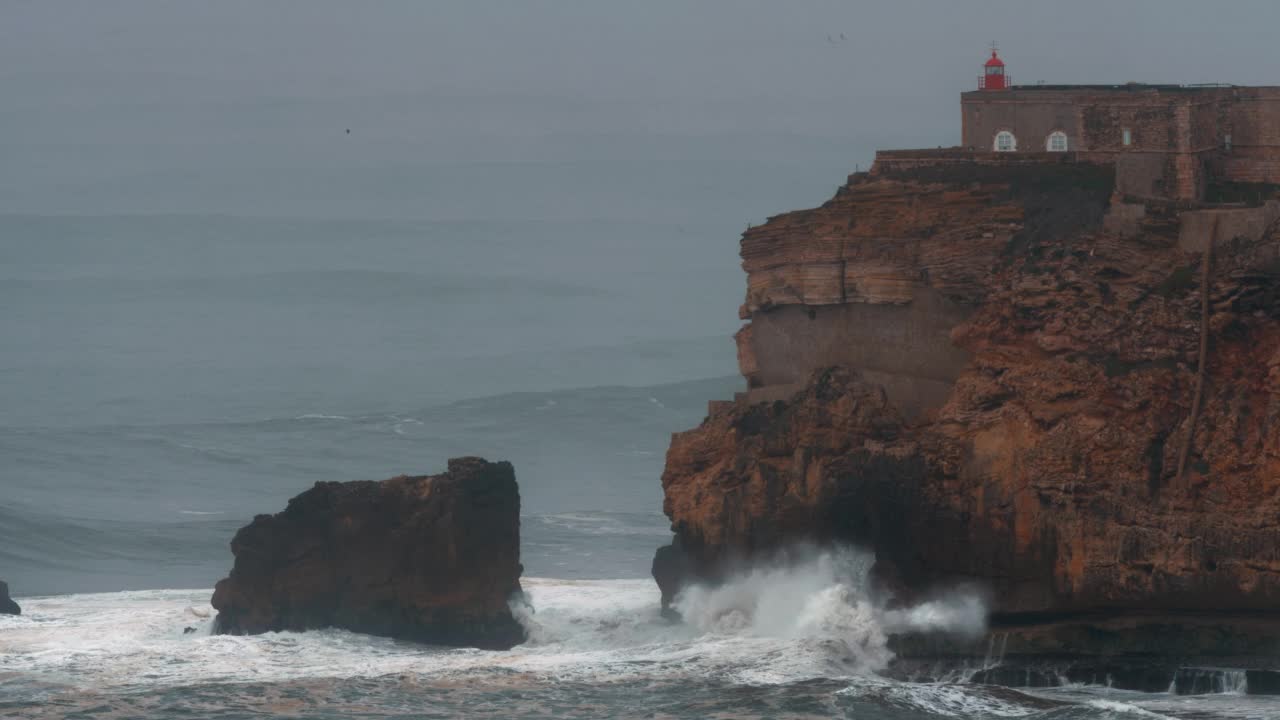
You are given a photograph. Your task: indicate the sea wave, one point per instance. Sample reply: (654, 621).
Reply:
(767, 644)
(45, 552)
(773, 627)
(128, 493)
(573, 402)
(653, 525)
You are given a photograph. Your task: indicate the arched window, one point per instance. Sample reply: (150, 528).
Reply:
(1005, 141)
(1057, 142)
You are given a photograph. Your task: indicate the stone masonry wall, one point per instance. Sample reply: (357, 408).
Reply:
(1255, 137)
(1191, 126)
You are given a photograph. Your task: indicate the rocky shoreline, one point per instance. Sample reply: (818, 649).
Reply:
(1011, 378)
(1015, 377)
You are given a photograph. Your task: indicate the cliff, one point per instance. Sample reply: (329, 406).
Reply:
(991, 374)
(434, 559)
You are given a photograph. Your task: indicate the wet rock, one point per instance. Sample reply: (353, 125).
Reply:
(670, 568)
(1262, 682)
(1209, 681)
(7, 605)
(434, 559)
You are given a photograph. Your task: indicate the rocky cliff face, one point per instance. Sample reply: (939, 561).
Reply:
(989, 374)
(433, 559)
(7, 605)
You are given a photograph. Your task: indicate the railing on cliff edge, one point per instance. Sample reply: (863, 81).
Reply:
(897, 160)
(1007, 85)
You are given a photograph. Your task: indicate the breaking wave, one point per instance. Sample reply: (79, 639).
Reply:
(822, 600)
(800, 640)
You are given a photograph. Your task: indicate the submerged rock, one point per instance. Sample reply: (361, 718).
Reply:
(7, 605)
(433, 559)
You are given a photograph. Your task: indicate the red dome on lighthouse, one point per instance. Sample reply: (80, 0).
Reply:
(993, 75)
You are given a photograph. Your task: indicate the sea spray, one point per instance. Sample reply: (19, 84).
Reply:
(587, 615)
(961, 611)
(823, 597)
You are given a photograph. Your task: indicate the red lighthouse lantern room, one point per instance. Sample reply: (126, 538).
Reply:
(993, 77)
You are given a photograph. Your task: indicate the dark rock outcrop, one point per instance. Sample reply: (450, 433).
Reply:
(1049, 451)
(433, 559)
(7, 605)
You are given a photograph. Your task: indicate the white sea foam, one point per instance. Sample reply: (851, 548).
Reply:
(1126, 710)
(822, 600)
(769, 625)
(938, 700)
(778, 624)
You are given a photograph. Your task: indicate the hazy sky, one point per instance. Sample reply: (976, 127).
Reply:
(175, 106)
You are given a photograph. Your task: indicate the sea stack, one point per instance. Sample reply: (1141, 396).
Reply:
(433, 559)
(7, 605)
(1054, 374)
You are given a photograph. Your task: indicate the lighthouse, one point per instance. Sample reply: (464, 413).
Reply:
(993, 77)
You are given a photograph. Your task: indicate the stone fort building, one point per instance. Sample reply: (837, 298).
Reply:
(1172, 142)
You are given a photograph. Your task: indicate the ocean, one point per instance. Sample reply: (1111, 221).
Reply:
(168, 377)
(246, 247)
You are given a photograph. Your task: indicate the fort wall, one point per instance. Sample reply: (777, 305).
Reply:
(1254, 156)
(1179, 139)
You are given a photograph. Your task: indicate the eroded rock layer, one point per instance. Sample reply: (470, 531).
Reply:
(987, 375)
(433, 559)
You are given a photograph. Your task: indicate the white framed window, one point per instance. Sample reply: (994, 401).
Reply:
(1226, 142)
(1056, 142)
(1005, 142)
(1126, 136)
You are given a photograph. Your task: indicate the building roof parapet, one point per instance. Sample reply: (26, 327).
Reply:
(1124, 89)
(905, 159)
(1131, 87)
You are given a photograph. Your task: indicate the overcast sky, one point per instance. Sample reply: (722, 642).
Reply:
(100, 92)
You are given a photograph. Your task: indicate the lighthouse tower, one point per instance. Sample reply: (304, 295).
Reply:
(993, 77)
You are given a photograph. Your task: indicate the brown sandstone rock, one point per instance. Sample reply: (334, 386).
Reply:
(1041, 462)
(434, 559)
